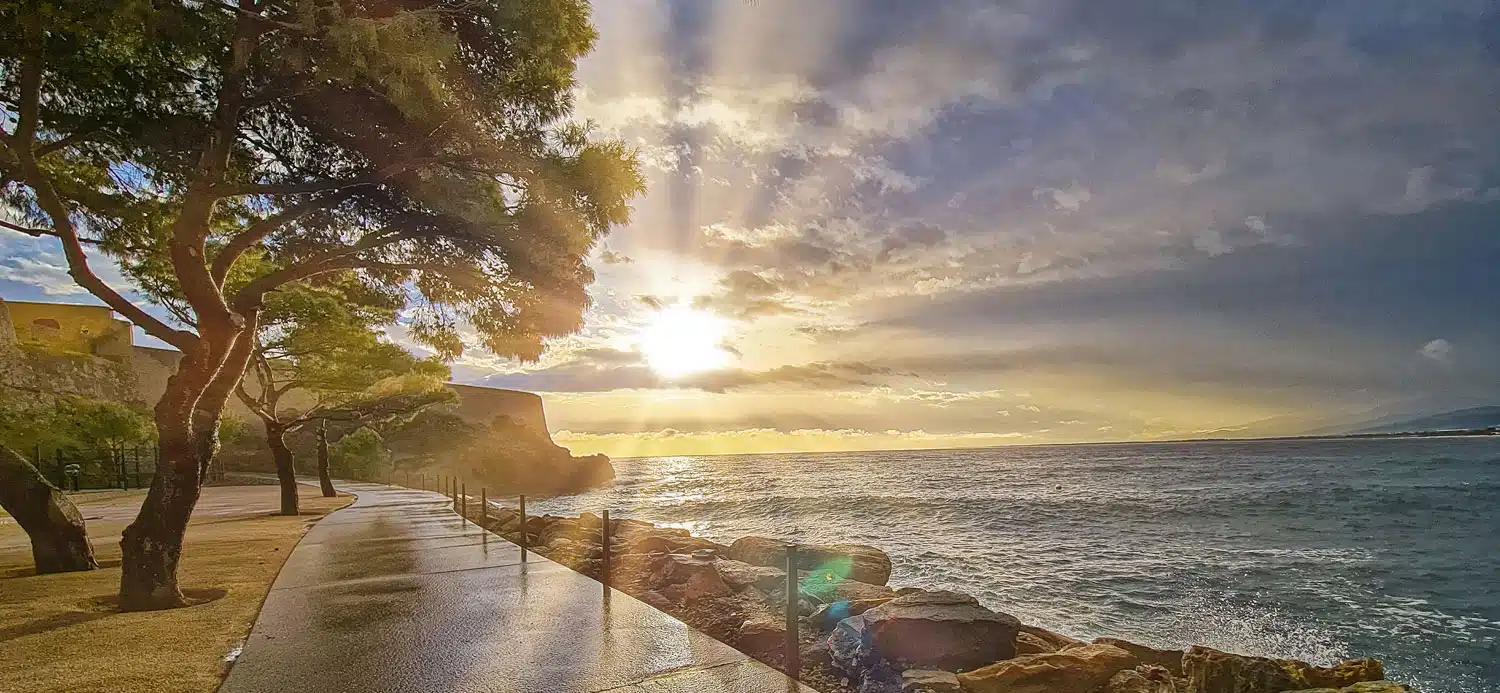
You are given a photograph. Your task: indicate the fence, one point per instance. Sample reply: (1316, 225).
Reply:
(104, 467)
(457, 491)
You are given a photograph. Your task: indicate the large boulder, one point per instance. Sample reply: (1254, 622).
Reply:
(827, 616)
(1210, 671)
(1364, 687)
(1339, 675)
(684, 578)
(930, 630)
(865, 564)
(762, 638)
(1146, 678)
(1171, 660)
(823, 588)
(1080, 669)
(741, 575)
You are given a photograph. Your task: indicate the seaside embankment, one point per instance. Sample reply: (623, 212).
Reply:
(855, 632)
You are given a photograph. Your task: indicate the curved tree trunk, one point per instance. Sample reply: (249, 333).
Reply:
(324, 480)
(59, 541)
(286, 467)
(152, 545)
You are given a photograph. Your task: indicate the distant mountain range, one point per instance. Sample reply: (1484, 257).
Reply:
(1456, 420)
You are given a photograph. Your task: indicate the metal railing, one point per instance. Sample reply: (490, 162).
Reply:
(104, 467)
(456, 491)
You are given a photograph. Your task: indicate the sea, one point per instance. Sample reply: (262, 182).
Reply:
(1321, 550)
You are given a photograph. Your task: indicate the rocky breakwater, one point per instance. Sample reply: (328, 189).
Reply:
(858, 634)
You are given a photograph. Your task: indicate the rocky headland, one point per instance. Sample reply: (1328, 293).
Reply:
(859, 634)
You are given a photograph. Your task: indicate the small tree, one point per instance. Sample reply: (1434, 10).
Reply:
(424, 146)
(320, 356)
(359, 455)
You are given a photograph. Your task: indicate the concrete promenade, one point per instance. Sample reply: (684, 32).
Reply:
(398, 593)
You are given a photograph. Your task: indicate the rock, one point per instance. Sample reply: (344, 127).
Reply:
(763, 639)
(1057, 641)
(1146, 678)
(866, 564)
(649, 544)
(1027, 644)
(931, 630)
(928, 681)
(562, 544)
(1364, 687)
(824, 588)
(1075, 670)
(657, 600)
(741, 575)
(1210, 671)
(817, 655)
(562, 529)
(826, 616)
(695, 579)
(1171, 660)
(1339, 675)
(908, 590)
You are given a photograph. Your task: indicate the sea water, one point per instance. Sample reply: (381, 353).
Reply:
(1317, 550)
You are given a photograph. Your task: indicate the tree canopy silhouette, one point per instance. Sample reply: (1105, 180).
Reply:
(224, 149)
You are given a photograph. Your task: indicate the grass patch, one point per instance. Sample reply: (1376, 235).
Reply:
(65, 632)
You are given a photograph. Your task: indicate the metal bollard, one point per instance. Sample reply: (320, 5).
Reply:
(463, 500)
(484, 506)
(792, 657)
(604, 543)
(523, 528)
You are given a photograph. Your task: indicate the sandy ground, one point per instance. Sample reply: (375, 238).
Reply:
(64, 632)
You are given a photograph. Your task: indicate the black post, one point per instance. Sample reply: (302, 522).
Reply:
(523, 528)
(463, 500)
(484, 505)
(793, 657)
(604, 543)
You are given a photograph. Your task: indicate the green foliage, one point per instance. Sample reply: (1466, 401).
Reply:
(79, 423)
(426, 146)
(359, 455)
(321, 355)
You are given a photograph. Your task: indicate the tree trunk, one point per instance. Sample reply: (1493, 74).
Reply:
(152, 545)
(59, 541)
(286, 467)
(324, 480)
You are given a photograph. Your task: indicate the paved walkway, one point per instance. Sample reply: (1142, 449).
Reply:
(398, 593)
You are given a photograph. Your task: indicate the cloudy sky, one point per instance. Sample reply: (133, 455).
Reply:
(884, 223)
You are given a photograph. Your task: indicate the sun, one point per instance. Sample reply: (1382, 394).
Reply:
(679, 341)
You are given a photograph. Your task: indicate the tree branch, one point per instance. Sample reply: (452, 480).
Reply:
(66, 141)
(251, 294)
(258, 231)
(52, 203)
(34, 233)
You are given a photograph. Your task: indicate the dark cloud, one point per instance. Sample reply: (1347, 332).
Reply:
(1344, 313)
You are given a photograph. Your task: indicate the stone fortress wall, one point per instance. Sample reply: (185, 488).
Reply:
(66, 349)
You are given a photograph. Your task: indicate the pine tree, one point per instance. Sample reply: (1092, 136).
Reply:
(424, 146)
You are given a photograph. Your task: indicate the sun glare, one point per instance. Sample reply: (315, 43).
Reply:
(679, 341)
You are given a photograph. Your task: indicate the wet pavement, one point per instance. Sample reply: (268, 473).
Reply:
(398, 593)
